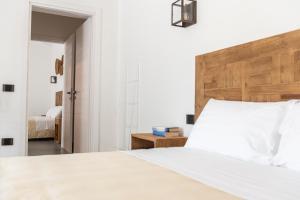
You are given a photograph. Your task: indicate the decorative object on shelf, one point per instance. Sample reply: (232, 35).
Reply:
(53, 79)
(184, 13)
(59, 66)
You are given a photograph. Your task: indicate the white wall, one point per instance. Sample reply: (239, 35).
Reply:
(13, 57)
(166, 54)
(41, 93)
(14, 23)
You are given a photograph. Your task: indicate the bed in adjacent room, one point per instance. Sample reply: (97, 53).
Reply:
(41, 127)
(244, 145)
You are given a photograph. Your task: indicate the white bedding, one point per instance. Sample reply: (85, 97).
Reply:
(244, 179)
(243, 130)
(43, 123)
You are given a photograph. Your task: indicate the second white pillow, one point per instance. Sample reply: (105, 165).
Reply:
(289, 150)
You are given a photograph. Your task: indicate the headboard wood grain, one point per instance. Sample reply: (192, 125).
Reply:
(261, 71)
(59, 98)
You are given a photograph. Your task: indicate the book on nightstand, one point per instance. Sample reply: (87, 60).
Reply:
(167, 131)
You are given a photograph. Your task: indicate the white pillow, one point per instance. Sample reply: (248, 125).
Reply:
(289, 150)
(244, 130)
(54, 112)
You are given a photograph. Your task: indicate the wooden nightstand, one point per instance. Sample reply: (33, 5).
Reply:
(147, 141)
(58, 125)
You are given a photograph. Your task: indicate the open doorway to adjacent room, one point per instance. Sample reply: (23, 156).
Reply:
(58, 82)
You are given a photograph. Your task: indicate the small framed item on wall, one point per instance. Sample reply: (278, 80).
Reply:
(53, 79)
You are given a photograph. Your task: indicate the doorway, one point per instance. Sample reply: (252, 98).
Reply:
(62, 125)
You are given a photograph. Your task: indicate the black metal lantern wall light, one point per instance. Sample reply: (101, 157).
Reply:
(184, 13)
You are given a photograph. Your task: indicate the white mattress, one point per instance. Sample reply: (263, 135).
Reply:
(243, 179)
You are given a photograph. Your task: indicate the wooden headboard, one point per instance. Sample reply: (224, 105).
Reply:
(259, 71)
(58, 98)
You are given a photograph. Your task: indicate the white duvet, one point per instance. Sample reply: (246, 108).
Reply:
(247, 180)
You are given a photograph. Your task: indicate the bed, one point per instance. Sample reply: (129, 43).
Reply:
(261, 71)
(171, 173)
(41, 127)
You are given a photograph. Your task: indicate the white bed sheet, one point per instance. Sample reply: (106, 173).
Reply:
(243, 179)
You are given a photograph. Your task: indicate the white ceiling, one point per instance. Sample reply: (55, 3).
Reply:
(53, 28)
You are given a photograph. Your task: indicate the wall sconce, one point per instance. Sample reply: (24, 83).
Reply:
(184, 13)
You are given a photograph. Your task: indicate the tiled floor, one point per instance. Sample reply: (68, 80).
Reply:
(44, 147)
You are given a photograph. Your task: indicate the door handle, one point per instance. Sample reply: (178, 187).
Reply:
(72, 92)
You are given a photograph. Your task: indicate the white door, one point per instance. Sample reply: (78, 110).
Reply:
(82, 87)
(67, 132)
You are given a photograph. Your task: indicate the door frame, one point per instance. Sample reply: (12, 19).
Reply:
(75, 10)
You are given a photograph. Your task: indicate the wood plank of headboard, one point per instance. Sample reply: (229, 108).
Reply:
(260, 71)
(59, 98)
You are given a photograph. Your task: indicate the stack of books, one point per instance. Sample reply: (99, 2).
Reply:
(167, 131)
